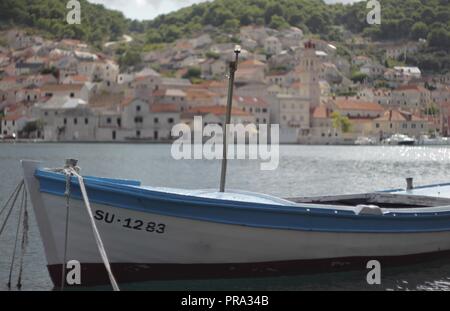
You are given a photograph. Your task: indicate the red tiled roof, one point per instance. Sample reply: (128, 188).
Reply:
(251, 101)
(126, 101)
(411, 88)
(164, 108)
(218, 110)
(79, 78)
(395, 115)
(62, 87)
(353, 104)
(13, 117)
(321, 112)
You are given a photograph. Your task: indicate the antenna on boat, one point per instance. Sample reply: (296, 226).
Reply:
(233, 68)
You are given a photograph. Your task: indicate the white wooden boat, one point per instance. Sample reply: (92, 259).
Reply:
(158, 233)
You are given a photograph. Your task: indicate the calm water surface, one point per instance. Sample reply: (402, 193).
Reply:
(303, 170)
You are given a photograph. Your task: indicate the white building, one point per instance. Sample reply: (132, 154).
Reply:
(411, 96)
(273, 46)
(137, 120)
(66, 119)
(12, 124)
(293, 115)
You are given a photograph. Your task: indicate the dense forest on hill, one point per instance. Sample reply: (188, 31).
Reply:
(401, 19)
(98, 24)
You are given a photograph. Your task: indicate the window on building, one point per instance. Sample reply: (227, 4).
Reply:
(138, 120)
(65, 121)
(86, 121)
(114, 135)
(170, 120)
(72, 95)
(405, 126)
(156, 120)
(138, 134)
(377, 125)
(138, 108)
(75, 121)
(108, 120)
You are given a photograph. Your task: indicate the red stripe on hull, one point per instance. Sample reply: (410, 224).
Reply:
(95, 274)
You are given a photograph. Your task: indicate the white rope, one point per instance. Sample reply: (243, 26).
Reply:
(66, 233)
(98, 239)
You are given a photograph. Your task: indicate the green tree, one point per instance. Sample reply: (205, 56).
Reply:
(130, 59)
(316, 23)
(274, 9)
(193, 73)
(278, 22)
(358, 77)
(439, 38)
(419, 31)
(340, 122)
(231, 25)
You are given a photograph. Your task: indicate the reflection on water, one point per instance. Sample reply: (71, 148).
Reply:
(303, 170)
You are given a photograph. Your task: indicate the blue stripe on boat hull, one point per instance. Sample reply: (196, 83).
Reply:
(243, 213)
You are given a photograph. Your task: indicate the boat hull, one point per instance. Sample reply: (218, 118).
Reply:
(144, 244)
(94, 274)
(190, 249)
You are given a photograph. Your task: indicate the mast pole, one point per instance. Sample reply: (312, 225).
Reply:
(233, 68)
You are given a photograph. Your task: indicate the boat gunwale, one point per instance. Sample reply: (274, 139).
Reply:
(300, 208)
(105, 184)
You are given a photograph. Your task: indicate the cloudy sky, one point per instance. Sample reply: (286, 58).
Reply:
(148, 9)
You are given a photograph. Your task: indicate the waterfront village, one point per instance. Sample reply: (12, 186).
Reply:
(64, 91)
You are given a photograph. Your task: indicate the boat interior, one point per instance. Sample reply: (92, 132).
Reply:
(379, 199)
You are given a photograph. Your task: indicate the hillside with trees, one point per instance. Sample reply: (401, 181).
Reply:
(98, 24)
(401, 20)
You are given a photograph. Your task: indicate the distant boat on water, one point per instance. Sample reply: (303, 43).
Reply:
(436, 140)
(400, 140)
(365, 141)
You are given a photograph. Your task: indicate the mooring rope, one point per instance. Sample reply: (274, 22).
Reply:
(98, 239)
(66, 236)
(25, 228)
(16, 195)
(19, 185)
(11, 268)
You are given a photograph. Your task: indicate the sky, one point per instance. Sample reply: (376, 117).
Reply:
(149, 9)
